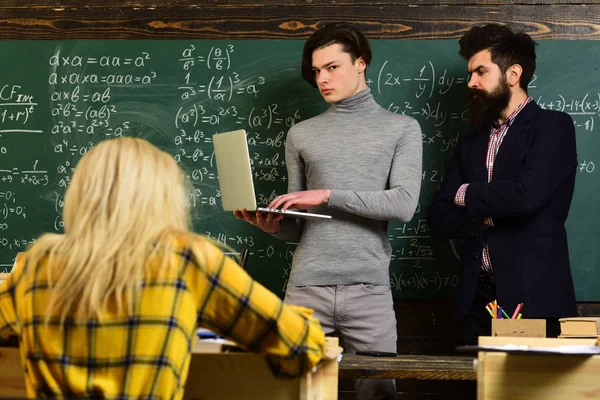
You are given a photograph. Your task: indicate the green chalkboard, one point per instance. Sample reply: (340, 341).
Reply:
(60, 98)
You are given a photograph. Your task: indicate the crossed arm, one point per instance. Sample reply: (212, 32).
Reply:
(550, 159)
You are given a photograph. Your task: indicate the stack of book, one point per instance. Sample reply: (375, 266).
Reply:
(582, 327)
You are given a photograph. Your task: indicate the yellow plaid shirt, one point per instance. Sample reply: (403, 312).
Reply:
(147, 354)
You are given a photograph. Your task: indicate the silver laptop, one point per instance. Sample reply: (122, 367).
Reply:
(235, 176)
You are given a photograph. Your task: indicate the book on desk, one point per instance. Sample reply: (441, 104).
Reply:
(580, 327)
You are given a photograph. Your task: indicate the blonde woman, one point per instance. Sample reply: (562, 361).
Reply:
(111, 307)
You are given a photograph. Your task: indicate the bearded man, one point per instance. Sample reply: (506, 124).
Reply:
(507, 190)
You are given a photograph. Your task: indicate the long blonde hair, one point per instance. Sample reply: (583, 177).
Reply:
(126, 197)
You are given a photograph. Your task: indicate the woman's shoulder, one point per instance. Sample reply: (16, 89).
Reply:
(195, 247)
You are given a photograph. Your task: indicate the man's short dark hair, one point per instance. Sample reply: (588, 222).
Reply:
(353, 41)
(506, 47)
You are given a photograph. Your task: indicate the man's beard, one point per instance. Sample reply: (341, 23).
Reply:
(486, 107)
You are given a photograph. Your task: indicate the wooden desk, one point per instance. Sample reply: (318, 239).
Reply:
(225, 376)
(537, 377)
(12, 381)
(408, 367)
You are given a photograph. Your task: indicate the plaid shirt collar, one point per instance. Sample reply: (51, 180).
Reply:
(507, 123)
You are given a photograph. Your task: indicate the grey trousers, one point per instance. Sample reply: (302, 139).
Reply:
(363, 316)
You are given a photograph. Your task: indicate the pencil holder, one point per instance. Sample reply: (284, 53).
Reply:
(519, 327)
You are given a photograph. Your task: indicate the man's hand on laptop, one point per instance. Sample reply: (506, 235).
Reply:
(268, 222)
(301, 200)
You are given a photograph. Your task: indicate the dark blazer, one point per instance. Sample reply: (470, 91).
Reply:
(529, 199)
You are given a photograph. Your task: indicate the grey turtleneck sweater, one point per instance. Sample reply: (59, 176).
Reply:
(370, 159)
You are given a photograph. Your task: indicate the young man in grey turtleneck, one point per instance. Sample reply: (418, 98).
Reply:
(361, 164)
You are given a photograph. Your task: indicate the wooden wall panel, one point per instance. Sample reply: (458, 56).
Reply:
(425, 19)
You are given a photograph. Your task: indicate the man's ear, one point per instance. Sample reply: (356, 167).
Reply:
(361, 65)
(513, 74)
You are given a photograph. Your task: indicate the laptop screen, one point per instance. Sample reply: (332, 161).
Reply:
(233, 170)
